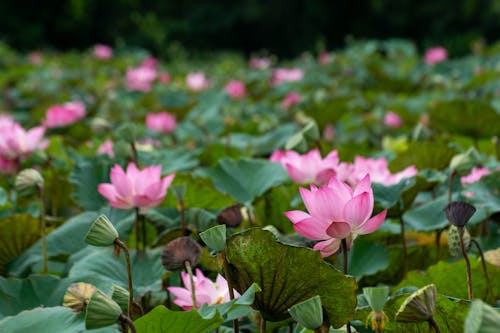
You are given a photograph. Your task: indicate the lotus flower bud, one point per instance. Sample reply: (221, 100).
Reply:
(215, 237)
(459, 212)
(308, 313)
(101, 232)
(231, 216)
(28, 181)
(121, 296)
(419, 306)
(77, 296)
(102, 311)
(454, 240)
(178, 251)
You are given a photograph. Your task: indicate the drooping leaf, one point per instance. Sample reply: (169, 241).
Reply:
(288, 275)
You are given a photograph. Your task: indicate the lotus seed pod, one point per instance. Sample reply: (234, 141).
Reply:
(459, 212)
(27, 181)
(101, 232)
(120, 295)
(454, 240)
(102, 311)
(178, 251)
(419, 306)
(77, 296)
(231, 216)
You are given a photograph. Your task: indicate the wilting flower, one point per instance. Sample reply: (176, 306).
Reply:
(290, 99)
(259, 63)
(206, 291)
(286, 75)
(196, 81)
(135, 188)
(308, 168)
(103, 52)
(140, 78)
(336, 212)
(64, 114)
(434, 55)
(106, 148)
(235, 89)
(474, 175)
(162, 122)
(392, 119)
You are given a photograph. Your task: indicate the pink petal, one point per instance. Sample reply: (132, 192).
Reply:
(364, 185)
(312, 228)
(338, 230)
(342, 189)
(323, 203)
(372, 224)
(120, 181)
(297, 175)
(358, 209)
(324, 176)
(328, 247)
(296, 215)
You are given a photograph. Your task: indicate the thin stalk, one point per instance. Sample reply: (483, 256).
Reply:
(346, 266)
(136, 229)
(438, 243)
(135, 156)
(483, 262)
(236, 325)
(450, 184)
(467, 262)
(124, 247)
(405, 250)
(262, 325)
(182, 213)
(434, 325)
(142, 220)
(41, 195)
(191, 280)
(129, 322)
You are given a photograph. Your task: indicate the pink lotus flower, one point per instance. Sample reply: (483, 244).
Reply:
(103, 52)
(206, 291)
(16, 142)
(392, 119)
(162, 122)
(140, 78)
(329, 132)
(135, 188)
(336, 212)
(286, 75)
(308, 168)
(150, 62)
(35, 57)
(474, 175)
(377, 169)
(106, 148)
(64, 115)
(196, 81)
(235, 89)
(259, 63)
(324, 58)
(434, 55)
(8, 167)
(290, 99)
(164, 77)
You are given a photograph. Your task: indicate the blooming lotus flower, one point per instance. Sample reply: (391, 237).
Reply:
(162, 122)
(474, 175)
(206, 291)
(434, 55)
(140, 78)
(308, 168)
(336, 212)
(16, 142)
(135, 188)
(103, 52)
(64, 115)
(259, 63)
(235, 89)
(392, 119)
(106, 148)
(196, 81)
(290, 99)
(286, 75)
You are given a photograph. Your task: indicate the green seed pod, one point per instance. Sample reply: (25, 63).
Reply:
(419, 306)
(102, 311)
(308, 313)
(77, 296)
(27, 181)
(376, 297)
(454, 240)
(120, 295)
(101, 232)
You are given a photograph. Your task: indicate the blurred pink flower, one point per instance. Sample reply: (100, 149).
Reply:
(286, 75)
(206, 291)
(290, 99)
(35, 57)
(161, 122)
(164, 77)
(329, 132)
(150, 62)
(135, 188)
(196, 81)
(103, 52)
(308, 168)
(235, 89)
(474, 175)
(16, 142)
(106, 148)
(377, 168)
(140, 78)
(8, 167)
(259, 63)
(392, 119)
(64, 114)
(336, 212)
(434, 55)
(324, 58)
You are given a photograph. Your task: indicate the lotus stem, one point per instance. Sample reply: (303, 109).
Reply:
(236, 325)
(346, 266)
(136, 229)
(41, 195)
(122, 245)
(129, 322)
(438, 243)
(262, 325)
(467, 262)
(450, 184)
(434, 325)
(182, 213)
(405, 250)
(485, 269)
(135, 156)
(191, 280)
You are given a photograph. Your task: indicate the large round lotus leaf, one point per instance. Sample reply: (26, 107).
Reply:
(288, 275)
(424, 155)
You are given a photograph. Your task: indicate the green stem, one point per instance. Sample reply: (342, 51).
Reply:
(41, 195)
(405, 250)
(262, 325)
(438, 243)
(450, 185)
(346, 266)
(191, 280)
(483, 262)
(434, 325)
(182, 214)
(122, 245)
(236, 325)
(467, 262)
(129, 322)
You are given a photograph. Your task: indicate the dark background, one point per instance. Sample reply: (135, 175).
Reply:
(283, 27)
